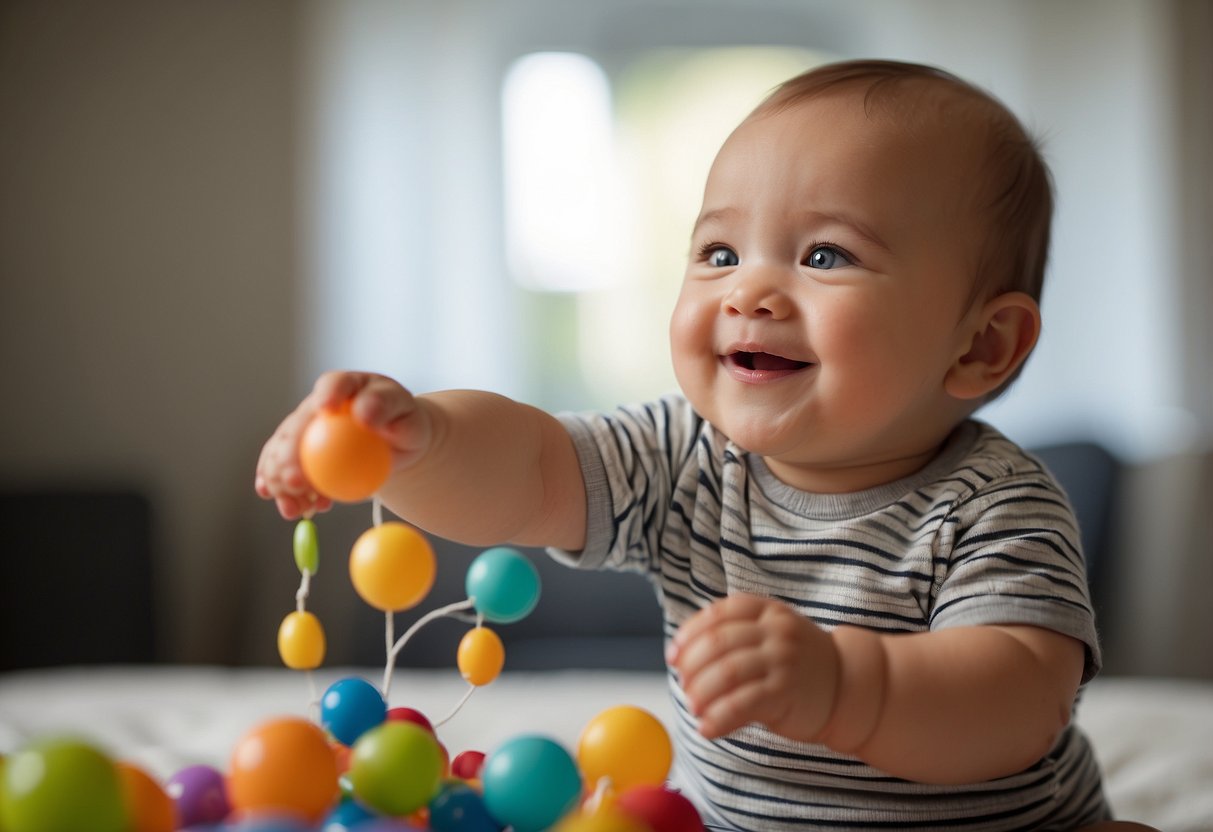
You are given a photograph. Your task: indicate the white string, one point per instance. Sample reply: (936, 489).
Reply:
(313, 707)
(389, 633)
(471, 689)
(301, 594)
(394, 650)
(601, 789)
(377, 510)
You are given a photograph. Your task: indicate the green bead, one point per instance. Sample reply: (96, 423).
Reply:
(307, 548)
(61, 784)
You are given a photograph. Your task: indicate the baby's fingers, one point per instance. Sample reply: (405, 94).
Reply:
(721, 676)
(732, 709)
(731, 608)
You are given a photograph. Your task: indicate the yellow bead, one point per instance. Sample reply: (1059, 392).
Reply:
(392, 567)
(627, 744)
(481, 656)
(301, 641)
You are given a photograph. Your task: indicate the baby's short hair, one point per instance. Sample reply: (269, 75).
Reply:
(1018, 192)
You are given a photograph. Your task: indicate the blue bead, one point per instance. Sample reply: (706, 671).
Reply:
(350, 708)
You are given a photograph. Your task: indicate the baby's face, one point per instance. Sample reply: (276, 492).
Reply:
(822, 306)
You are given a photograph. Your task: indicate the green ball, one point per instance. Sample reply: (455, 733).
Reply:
(307, 547)
(396, 767)
(61, 783)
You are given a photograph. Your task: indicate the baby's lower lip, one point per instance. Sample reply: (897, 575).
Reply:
(757, 368)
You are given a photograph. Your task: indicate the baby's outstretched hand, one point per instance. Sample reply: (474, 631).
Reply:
(376, 401)
(749, 659)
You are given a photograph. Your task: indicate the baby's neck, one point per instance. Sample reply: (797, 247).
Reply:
(845, 479)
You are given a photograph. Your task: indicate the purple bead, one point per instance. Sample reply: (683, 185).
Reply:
(200, 795)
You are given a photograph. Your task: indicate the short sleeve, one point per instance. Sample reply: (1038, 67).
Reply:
(628, 459)
(1012, 555)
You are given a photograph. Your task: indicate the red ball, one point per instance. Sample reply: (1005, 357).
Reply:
(467, 764)
(410, 715)
(662, 809)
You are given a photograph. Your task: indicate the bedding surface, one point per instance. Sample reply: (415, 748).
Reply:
(1154, 737)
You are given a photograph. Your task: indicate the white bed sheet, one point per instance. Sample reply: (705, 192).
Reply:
(1154, 737)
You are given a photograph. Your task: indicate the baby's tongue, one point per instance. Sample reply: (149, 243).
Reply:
(766, 361)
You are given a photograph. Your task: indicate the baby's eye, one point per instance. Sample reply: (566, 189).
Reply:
(722, 257)
(826, 257)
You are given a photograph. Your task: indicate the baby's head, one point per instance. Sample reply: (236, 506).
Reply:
(865, 271)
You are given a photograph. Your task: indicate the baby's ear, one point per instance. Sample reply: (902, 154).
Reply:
(1000, 336)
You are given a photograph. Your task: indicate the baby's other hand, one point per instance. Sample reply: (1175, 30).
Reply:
(749, 659)
(376, 401)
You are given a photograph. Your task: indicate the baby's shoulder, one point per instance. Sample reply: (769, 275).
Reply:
(996, 474)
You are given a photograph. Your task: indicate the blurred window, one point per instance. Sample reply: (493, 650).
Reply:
(603, 177)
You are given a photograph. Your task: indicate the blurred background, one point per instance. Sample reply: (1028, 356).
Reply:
(205, 203)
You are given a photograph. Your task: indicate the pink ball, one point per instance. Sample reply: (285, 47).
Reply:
(662, 809)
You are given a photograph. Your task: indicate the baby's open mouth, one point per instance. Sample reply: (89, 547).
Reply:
(765, 361)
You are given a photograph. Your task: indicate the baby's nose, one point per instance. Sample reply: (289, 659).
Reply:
(757, 292)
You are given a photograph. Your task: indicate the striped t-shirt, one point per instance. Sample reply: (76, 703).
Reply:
(981, 535)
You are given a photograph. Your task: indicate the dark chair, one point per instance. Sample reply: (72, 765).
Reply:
(76, 582)
(1090, 475)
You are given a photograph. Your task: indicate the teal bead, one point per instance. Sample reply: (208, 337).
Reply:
(307, 547)
(503, 584)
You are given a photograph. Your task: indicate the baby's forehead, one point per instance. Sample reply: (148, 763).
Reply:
(942, 131)
(907, 110)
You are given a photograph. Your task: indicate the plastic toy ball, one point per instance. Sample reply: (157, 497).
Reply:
(504, 584)
(283, 766)
(411, 715)
(200, 795)
(662, 809)
(61, 784)
(467, 764)
(392, 566)
(350, 708)
(627, 744)
(396, 768)
(148, 808)
(481, 656)
(460, 808)
(306, 547)
(530, 782)
(605, 821)
(301, 641)
(342, 458)
(348, 814)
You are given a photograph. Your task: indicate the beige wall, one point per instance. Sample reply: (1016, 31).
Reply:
(146, 270)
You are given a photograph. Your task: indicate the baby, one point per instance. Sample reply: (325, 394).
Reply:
(876, 611)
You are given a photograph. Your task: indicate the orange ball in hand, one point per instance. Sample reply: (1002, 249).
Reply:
(342, 458)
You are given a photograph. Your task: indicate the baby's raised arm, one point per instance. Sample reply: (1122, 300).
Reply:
(466, 465)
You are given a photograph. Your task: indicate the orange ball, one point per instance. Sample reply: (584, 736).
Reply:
(285, 765)
(342, 458)
(148, 806)
(392, 567)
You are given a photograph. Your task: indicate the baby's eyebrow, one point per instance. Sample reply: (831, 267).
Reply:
(809, 218)
(715, 215)
(856, 226)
